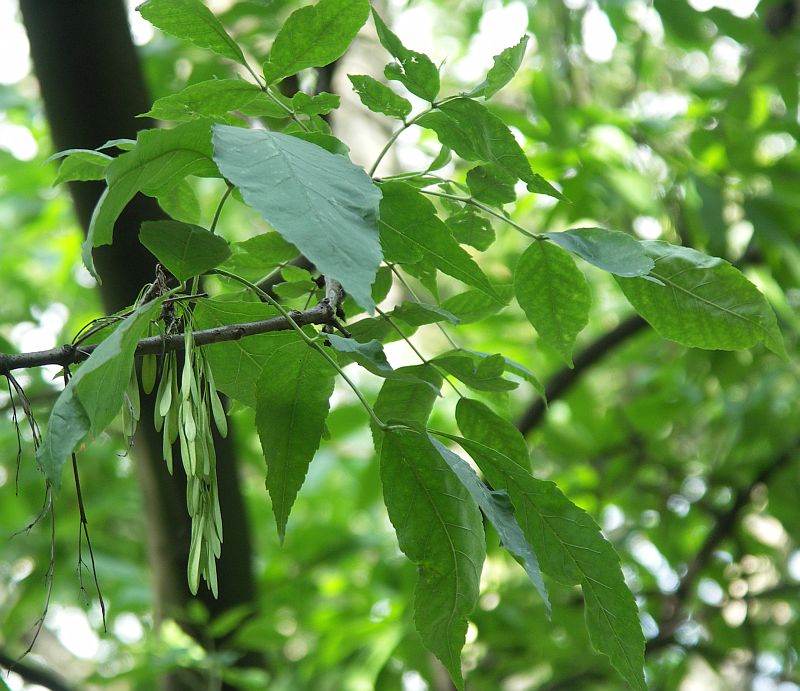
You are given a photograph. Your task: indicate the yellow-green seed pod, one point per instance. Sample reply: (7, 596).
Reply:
(174, 423)
(166, 447)
(165, 399)
(192, 458)
(149, 371)
(216, 513)
(189, 426)
(217, 410)
(185, 456)
(193, 567)
(211, 577)
(188, 369)
(163, 385)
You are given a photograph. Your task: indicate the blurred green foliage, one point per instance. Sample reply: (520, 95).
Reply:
(688, 459)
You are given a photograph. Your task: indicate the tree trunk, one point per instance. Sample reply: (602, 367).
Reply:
(92, 87)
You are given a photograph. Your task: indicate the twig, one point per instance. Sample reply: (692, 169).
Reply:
(37, 627)
(154, 345)
(563, 380)
(33, 674)
(83, 527)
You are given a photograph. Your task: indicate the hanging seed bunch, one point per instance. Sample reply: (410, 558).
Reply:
(183, 412)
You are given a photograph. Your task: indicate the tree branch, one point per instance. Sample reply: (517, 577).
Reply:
(563, 380)
(68, 354)
(724, 526)
(33, 674)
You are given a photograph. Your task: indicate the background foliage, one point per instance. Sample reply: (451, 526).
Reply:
(686, 132)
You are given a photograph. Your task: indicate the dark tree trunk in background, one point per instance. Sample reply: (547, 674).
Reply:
(92, 87)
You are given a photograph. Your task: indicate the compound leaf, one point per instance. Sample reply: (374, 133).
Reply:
(411, 230)
(497, 507)
(571, 550)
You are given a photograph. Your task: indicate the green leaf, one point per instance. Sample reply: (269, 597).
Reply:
(159, 158)
(192, 21)
(186, 250)
(82, 165)
(266, 106)
(413, 70)
(369, 355)
(411, 230)
(180, 202)
(260, 255)
(481, 423)
(320, 202)
(292, 401)
(505, 66)
(374, 328)
(324, 141)
(521, 371)
(610, 250)
(237, 365)
(378, 97)
(571, 550)
(497, 507)
(418, 314)
(95, 394)
(315, 36)
(476, 134)
(318, 104)
(382, 285)
(479, 372)
(442, 159)
(491, 184)
(704, 302)
(554, 295)
(69, 424)
(407, 399)
(439, 528)
(473, 305)
(205, 99)
(120, 143)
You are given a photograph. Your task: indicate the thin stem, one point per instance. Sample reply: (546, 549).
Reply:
(395, 135)
(485, 209)
(213, 227)
(396, 272)
(309, 341)
(425, 360)
(218, 210)
(254, 76)
(286, 108)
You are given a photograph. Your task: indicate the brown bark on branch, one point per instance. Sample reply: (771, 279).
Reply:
(33, 674)
(68, 354)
